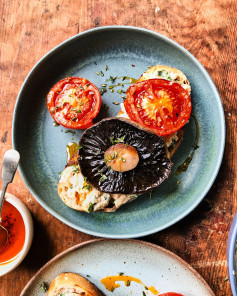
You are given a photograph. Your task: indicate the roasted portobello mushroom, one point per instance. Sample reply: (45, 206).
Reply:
(120, 156)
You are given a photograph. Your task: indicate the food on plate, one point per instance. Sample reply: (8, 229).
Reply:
(68, 284)
(158, 102)
(120, 160)
(74, 102)
(150, 171)
(123, 157)
(78, 194)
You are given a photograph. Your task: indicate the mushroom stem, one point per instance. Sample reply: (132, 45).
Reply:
(121, 157)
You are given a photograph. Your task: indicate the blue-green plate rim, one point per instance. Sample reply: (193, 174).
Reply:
(222, 131)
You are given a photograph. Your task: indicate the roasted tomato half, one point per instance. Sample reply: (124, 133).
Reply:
(73, 102)
(158, 104)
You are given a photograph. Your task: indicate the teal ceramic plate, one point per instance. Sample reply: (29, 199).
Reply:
(126, 51)
(153, 265)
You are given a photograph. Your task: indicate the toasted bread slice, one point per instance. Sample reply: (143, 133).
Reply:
(76, 193)
(168, 73)
(68, 284)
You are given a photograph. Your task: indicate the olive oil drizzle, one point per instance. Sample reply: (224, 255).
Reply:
(71, 150)
(131, 79)
(184, 166)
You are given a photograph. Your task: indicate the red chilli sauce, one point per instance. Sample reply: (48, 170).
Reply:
(13, 222)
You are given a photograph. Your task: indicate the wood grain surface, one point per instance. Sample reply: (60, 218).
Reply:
(207, 28)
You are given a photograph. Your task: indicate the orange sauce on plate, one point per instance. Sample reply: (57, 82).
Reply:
(110, 282)
(13, 222)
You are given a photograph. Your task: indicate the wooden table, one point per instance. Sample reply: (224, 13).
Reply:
(207, 28)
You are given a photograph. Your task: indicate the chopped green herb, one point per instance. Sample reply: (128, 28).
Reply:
(128, 283)
(81, 87)
(116, 103)
(123, 159)
(106, 107)
(178, 182)
(139, 106)
(120, 91)
(74, 118)
(102, 178)
(88, 275)
(150, 194)
(81, 104)
(59, 173)
(120, 84)
(87, 84)
(71, 187)
(143, 293)
(112, 78)
(90, 208)
(76, 169)
(69, 79)
(55, 124)
(72, 132)
(120, 273)
(87, 186)
(101, 73)
(97, 73)
(76, 110)
(112, 289)
(103, 90)
(120, 140)
(124, 97)
(115, 154)
(123, 78)
(164, 74)
(104, 84)
(112, 140)
(44, 286)
(106, 68)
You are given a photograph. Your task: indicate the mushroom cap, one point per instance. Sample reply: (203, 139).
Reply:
(153, 167)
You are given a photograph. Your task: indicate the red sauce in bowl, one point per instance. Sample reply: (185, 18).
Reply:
(13, 222)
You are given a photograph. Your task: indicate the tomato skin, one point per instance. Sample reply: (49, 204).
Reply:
(74, 102)
(158, 104)
(171, 294)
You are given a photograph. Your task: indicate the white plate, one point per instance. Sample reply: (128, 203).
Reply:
(153, 265)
